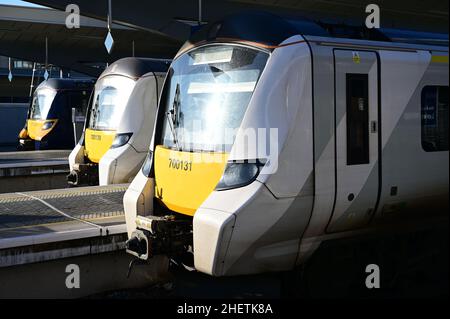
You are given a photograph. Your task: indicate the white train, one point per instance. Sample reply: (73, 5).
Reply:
(119, 122)
(352, 136)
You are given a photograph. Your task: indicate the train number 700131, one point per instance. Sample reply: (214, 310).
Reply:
(180, 165)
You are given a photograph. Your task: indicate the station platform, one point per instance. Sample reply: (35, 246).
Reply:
(34, 156)
(53, 224)
(43, 232)
(34, 170)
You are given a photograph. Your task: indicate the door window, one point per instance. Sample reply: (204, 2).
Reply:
(357, 119)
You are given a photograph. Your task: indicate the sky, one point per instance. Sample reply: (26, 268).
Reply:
(19, 3)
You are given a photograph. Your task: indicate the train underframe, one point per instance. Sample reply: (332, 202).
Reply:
(83, 175)
(168, 233)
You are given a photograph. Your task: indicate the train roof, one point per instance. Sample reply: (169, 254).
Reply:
(67, 84)
(136, 67)
(271, 30)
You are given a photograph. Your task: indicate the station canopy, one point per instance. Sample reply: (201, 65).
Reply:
(23, 34)
(159, 28)
(168, 16)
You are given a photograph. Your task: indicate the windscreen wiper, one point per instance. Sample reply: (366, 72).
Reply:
(218, 72)
(94, 111)
(32, 109)
(173, 113)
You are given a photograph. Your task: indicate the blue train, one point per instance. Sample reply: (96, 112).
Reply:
(49, 124)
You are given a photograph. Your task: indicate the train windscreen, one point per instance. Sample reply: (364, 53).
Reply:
(110, 99)
(42, 103)
(206, 96)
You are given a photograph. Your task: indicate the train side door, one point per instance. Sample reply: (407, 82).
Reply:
(357, 136)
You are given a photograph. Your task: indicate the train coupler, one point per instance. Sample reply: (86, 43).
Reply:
(157, 235)
(26, 144)
(83, 174)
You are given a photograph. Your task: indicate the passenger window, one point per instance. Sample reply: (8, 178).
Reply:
(357, 119)
(435, 118)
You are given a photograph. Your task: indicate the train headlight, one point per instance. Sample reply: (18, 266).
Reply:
(239, 174)
(121, 139)
(23, 134)
(47, 125)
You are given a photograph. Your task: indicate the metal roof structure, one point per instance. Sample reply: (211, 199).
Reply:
(159, 29)
(272, 29)
(136, 67)
(170, 17)
(23, 33)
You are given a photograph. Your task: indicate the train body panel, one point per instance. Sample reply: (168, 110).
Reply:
(399, 71)
(280, 210)
(77, 155)
(120, 164)
(139, 197)
(415, 181)
(141, 110)
(347, 136)
(324, 142)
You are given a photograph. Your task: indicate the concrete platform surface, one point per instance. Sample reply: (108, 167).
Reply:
(39, 217)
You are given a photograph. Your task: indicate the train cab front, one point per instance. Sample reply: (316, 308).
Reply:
(41, 121)
(204, 101)
(86, 156)
(100, 133)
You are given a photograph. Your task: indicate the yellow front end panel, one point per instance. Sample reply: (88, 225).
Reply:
(97, 143)
(23, 133)
(439, 59)
(35, 130)
(185, 179)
